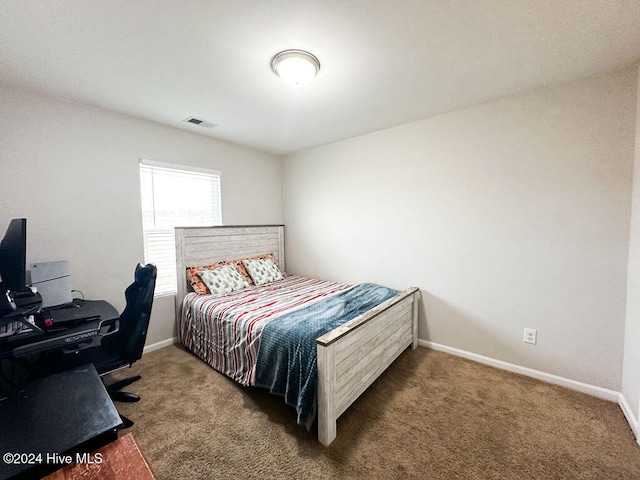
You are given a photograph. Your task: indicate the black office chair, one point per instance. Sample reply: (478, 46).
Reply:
(122, 347)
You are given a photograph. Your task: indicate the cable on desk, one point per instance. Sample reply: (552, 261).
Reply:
(78, 291)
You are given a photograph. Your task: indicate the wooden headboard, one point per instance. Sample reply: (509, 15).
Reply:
(207, 245)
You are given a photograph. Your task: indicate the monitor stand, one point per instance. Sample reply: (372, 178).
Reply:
(27, 299)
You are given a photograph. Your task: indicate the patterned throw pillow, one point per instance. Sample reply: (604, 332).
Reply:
(224, 279)
(263, 271)
(193, 277)
(242, 269)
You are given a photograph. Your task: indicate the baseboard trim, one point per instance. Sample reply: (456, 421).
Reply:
(628, 413)
(592, 390)
(159, 345)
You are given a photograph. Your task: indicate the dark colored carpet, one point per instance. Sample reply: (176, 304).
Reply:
(431, 415)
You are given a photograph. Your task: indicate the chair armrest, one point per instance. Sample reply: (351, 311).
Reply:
(112, 324)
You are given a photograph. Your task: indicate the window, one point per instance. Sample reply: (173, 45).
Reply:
(174, 196)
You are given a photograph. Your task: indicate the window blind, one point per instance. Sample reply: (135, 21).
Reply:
(174, 196)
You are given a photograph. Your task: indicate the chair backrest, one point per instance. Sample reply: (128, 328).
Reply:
(134, 319)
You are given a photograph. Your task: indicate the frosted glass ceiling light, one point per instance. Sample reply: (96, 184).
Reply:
(295, 67)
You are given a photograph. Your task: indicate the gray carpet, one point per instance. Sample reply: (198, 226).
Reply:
(431, 415)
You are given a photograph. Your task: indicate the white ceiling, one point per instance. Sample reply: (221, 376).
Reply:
(384, 62)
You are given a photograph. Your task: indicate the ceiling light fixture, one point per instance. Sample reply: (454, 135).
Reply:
(295, 67)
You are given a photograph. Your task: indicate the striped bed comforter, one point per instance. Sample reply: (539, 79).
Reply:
(225, 331)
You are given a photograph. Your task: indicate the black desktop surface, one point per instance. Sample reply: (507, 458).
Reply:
(81, 310)
(65, 412)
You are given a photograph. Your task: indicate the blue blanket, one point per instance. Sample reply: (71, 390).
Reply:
(287, 358)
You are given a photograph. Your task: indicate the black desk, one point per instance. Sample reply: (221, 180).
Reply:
(61, 414)
(56, 338)
(28, 357)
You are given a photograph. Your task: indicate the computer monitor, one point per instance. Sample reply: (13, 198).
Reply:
(13, 256)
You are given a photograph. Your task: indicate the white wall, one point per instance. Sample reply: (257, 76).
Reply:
(72, 171)
(510, 214)
(631, 372)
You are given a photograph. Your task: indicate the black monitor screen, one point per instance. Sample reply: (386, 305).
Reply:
(13, 256)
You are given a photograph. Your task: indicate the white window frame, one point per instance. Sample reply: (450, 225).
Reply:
(162, 237)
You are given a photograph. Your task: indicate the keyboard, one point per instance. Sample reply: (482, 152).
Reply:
(13, 327)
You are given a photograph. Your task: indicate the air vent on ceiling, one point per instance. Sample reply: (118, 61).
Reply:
(199, 122)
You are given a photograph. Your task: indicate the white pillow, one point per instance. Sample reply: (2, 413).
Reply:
(224, 279)
(263, 271)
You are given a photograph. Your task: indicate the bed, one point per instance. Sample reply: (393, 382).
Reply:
(348, 358)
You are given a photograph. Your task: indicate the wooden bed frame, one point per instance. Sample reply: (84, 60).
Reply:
(350, 357)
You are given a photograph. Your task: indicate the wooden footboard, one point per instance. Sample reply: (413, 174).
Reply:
(352, 356)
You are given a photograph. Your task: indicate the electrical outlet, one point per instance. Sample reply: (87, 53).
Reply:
(530, 335)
